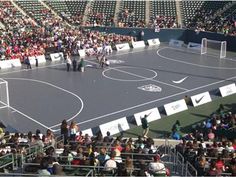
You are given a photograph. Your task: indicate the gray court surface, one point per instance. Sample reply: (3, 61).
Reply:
(135, 81)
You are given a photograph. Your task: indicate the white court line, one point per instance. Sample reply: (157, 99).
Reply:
(3, 107)
(153, 101)
(189, 63)
(28, 117)
(136, 75)
(52, 85)
(127, 80)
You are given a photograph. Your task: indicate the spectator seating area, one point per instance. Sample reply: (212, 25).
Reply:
(201, 15)
(12, 18)
(163, 14)
(102, 13)
(209, 152)
(132, 14)
(34, 9)
(78, 155)
(72, 11)
(52, 33)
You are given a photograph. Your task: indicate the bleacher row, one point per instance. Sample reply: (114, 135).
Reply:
(131, 13)
(79, 157)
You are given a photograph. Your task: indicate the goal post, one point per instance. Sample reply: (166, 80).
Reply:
(213, 47)
(4, 94)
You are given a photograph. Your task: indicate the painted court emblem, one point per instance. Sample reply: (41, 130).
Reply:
(150, 88)
(116, 61)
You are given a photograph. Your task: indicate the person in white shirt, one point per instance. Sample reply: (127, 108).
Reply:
(110, 165)
(68, 62)
(157, 167)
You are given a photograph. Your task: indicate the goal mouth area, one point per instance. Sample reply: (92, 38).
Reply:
(214, 47)
(4, 94)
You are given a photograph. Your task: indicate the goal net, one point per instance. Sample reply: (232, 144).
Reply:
(213, 47)
(4, 94)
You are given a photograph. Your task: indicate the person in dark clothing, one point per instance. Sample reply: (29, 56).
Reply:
(74, 64)
(64, 131)
(27, 62)
(145, 125)
(81, 65)
(36, 61)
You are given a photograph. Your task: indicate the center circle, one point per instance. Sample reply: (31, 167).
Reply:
(123, 69)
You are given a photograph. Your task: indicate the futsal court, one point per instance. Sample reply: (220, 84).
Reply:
(135, 81)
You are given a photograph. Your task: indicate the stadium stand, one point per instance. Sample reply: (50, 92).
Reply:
(35, 9)
(132, 14)
(102, 13)
(194, 10)
(163, 14)
(72, 11)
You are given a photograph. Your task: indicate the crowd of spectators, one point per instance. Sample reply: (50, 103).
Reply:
(108, 155)
(52, 32)
(128, 18)
(161, 21)
(204, 20)
(211, 153)
(100, 19)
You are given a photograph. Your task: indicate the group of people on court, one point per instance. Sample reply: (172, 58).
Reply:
(101, 59)
(77, 66)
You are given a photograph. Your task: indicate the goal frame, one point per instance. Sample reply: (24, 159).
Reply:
(223, 46)
(5, 102)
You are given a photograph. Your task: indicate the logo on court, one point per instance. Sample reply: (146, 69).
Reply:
(116, 61)
(150, 88)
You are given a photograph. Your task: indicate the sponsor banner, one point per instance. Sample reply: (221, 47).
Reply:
(108, 49)
(200, 99)
(87, 131)
(153, 114)
(228, 90)
(192, 45)
(32, 60)
(5, 64)
(15, 62)
(82, 53)
(115, 126)
(122, 47)
(152, 42)
(176, 43)
(175, 107)
(138, 44)
(56, 56)
(89, 51)
(41, 59)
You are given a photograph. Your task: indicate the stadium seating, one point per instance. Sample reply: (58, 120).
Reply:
(191, 7)
(34, 9)
(163, 13)
(102, 13)
(72, 11)
(132, 13)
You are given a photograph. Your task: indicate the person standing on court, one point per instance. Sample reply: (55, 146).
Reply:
(81, 65)
(27, 62)
(68, 62)
(145, 126)
(74, 64)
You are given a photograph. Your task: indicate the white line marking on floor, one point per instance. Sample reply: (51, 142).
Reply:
(136, 75)
(188, 63)
(52, 85)
(127, 80)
